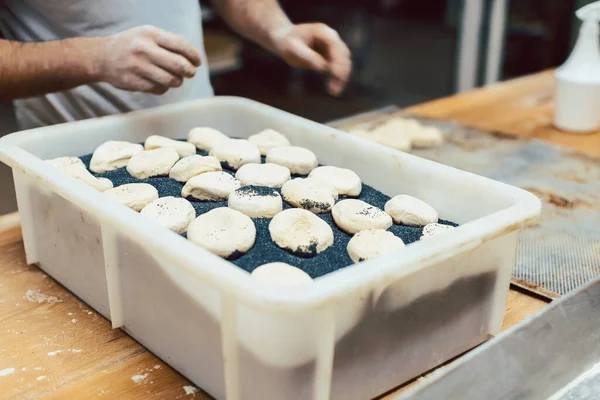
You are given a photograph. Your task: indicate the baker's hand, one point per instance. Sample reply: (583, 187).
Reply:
(146, 59)
(318, 47)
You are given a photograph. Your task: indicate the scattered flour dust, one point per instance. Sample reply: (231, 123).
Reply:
(157, 366)
(53, 353)
(75, 350)
(73, 321)
(40, 378)
(139, 378)
(190, 389)
(6, 371)
(35, 296)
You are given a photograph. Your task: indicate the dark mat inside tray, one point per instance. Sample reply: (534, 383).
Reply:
(264, 250)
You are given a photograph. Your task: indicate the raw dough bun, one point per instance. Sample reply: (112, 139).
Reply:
(184, 149)
(353, 216)
(281, 274)
(408, 210)
(270, 175)
(190, 166)
(268, 139)
(225, 232)
(234, 153)
(113, 155)
(210, 186)
(74, 167)
(149, 163)
(300, 161)
(427, 136)
(171, 212)
(256, 201)
(204, 138)
(300, 232)
(372, 243)
(345, 181)
(134, 195)
(311, 194)
(434, 229)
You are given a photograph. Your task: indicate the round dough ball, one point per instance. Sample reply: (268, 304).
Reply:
(171, 212)
(256, 201)
(300, 161)
(311, 194)
(236, 152)
(113, 155)
(281, 274)
(184, 149)
(74, 167)
(372, 243)
(434, 229)
(204, 138)
(353, 216)
(408, 210)
(149, 163)
(225, 232)
(345, 181)
(300, 232)
(268, 139)
(270, 175)
(210, 186)
(134, 195)
(190, 166)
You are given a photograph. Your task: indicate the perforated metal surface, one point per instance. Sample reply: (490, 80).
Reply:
(563, 251)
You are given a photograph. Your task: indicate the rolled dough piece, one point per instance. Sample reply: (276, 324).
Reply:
(134, 195)
(256, 201)
(427, 136)
(345, 181)
(210, 186)
(113, 155)
(236, 152)
(74, 167)
(393, 134)
(372, 243)
(270, 175)
(225, 232)
(149, 163)
(204, 138)
(311, 194)
(171, 212)
(298, 160)
(300, 232)
(408, 210)
(190, 166)
(184, 149)
(268, 139)
(353, 216)
(434, 229)
(281, 274)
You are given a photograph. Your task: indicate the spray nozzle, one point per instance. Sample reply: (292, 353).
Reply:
(591, 12)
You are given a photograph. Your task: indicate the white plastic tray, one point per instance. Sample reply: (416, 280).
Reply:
(354, 334)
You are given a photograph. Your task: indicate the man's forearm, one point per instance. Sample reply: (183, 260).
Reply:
(257, 20)
(30, 69)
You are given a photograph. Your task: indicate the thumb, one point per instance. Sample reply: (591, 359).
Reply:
(307, 57)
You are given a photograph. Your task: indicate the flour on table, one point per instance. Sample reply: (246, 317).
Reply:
(139, 378)
(40, 378)
(190, 390)
(53, 353)
(6, 371)
(35, 296)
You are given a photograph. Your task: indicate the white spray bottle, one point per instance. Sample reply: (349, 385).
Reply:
(578, 79)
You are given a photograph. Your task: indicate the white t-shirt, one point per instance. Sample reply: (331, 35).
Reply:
(44, 20)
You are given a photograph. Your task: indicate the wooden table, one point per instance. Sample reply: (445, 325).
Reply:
(53, 346)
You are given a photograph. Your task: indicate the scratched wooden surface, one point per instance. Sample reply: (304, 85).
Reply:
(53, 346)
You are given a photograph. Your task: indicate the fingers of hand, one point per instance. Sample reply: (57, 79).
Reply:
(177, 44)
(337, 55)
(174, 63)
(305, 57)
(140, 84)
(161, 77)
